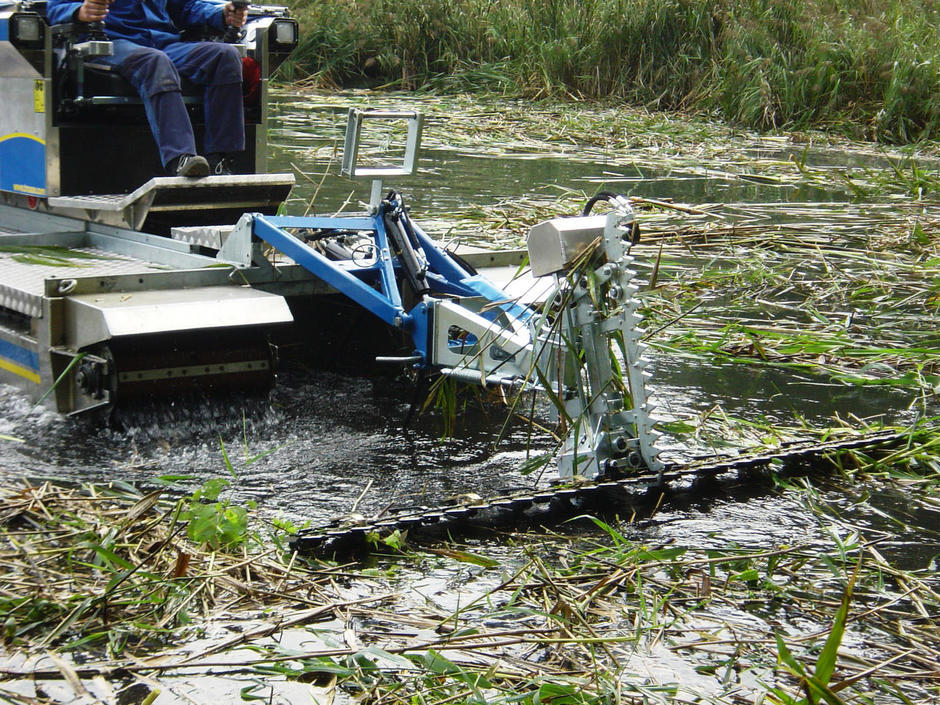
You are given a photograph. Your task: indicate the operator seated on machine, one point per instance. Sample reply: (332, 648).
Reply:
(149, 53)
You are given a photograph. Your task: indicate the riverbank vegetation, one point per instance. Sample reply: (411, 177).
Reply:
(868, 68)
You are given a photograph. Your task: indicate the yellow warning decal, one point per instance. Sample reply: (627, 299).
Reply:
(35, 191)
(19, 370)
(39, 96)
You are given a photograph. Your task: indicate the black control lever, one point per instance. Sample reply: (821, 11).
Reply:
(96, 32)
(232, 32)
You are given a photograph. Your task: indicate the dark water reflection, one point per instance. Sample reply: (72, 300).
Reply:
(323, 444)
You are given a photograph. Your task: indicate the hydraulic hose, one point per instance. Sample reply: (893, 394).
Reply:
(612, 197)
(402, 240)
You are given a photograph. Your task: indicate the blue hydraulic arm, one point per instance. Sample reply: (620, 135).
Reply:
(403, 254)
(384, 303)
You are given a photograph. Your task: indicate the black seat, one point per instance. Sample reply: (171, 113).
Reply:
(103, 85)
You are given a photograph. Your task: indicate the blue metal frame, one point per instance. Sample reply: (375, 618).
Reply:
(375, 287)
(386, 303)
(474, 285)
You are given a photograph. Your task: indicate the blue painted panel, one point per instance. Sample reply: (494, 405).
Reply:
(23, 164)
(4, 30)
(20, 355)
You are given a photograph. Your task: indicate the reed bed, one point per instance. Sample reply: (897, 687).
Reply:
(865, 67)
(110, 568)
(847, 291)
(591, 132)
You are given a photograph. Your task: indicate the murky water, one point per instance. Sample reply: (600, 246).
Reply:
(323, 444)
(309, 135)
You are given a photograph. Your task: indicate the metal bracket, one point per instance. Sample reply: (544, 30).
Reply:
(90, 384)
(92, 48)
(353, 131)
(237, 248)
(351, 149)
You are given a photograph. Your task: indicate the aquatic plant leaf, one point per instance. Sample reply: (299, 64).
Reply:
(228, 463)
(676, 428)
(440, 665)
(618, 538)
(125, 574)
(111, 557)
(51, 256)
(466, 557)
(746, 576)
(233, 526)
(371, 656)
(211, 489)
(558, 694)
(54, 252)
(203, 523)
(248, 692)
(661, 554)
(396, 540)
(817, 690)
(89, 638)
(326, 665)
(263, 454)
(786, 657)
(536, 463)
(826, 662)
(68, 368)
(171, 479)
(274, 669)
(78, 611)
(45, 261)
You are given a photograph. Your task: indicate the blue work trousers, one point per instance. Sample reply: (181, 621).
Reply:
(155, 74)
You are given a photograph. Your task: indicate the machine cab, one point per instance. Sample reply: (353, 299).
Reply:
(74, 137)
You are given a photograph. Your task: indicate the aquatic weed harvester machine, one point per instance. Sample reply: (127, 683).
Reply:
(116, 284)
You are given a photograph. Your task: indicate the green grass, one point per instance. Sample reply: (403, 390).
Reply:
(865, 67)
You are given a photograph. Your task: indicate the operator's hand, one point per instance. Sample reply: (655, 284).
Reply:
(92, 11)
(231, 15)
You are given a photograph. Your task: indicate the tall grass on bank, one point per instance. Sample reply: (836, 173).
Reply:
(868, 67)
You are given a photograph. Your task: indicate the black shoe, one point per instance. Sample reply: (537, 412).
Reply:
(188, 165)
(219, 164)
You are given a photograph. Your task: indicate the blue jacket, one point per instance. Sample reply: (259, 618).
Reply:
(150, 23)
